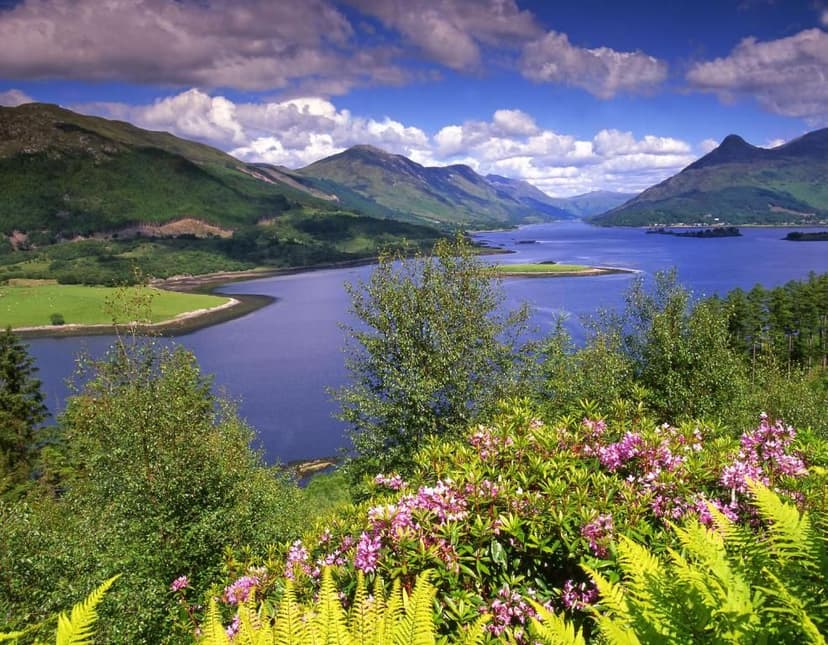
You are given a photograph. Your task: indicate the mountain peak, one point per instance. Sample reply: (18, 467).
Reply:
(732, 149)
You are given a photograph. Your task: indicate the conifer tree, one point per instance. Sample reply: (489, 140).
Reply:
(21, 409)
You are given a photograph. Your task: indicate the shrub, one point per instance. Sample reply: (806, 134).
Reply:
(506, 517)
(57, 319)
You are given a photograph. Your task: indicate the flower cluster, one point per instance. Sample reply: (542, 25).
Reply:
(762, 456)
(181, 582)
(599, 533)
(394, 482)
(488, 444)
(297, 557)
(509, 609)
(367, 552)
(240, 590)
(578, 595)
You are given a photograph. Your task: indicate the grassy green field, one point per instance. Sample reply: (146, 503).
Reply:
(32, 303)
(541, 268)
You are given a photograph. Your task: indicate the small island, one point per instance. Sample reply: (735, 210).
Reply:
(718, 231)
(552, 270)
(799, 236)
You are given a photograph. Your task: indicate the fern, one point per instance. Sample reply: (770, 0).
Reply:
(76, 629)
(551, 629)
(290, 626)
(416, 626)
(373, 620)
(212, 630)
(724, 585)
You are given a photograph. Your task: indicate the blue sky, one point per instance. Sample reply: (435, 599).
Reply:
(571, 96)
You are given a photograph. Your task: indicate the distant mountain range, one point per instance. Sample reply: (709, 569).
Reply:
(391, 185)
(64, 174)
(738, 183)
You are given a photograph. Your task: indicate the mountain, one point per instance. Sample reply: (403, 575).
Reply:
(65, 174)
(738, 183)
(530, 196)
(395, 186)
(86, 199)
(592, 203)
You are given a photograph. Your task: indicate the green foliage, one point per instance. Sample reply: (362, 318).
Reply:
(157, 478)
(430, 353)
(661, 351)
(401, 619)
(723, 585)
(77, 627)
(505, 515)
(21, 411)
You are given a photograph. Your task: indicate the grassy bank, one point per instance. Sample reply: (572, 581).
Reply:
(35, 303)
(549, 269)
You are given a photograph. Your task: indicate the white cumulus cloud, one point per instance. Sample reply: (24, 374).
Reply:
(787, 76)
(602, 71)
(13, 98)
(298, 131)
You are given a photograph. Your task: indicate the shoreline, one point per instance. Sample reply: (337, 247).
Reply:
(581, 273)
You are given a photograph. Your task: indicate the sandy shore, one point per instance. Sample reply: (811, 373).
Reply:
(564, 274)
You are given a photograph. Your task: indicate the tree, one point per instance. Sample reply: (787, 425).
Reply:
(431, 351)
(21, 409)
(161, 479)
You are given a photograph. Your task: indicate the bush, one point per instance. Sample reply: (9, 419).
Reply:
(506, 516)
(57, 319)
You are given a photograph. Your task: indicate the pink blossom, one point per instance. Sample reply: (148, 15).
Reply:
(181, 582)
(240, 590)
(578, 596)
(599, 533)
(367, 552)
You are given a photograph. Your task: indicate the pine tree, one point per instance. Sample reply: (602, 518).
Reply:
(21, 409)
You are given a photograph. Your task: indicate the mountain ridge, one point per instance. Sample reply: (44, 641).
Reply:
(738, 183)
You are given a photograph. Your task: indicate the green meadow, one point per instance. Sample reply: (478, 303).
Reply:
(541, 268)
(33, 303)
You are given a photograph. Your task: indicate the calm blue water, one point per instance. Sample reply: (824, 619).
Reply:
(277, 362)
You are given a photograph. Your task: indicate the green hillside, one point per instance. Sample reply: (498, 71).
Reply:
(82, 194)
(738, 183)
(392, 185)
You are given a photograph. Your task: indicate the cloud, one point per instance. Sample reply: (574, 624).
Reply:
(788, 76)
(13, 98)
(603, 72)
(774, 143)
(824, 17)
(452, 32)
(247, 44)
(293, 132)
(298, 131)
(708, 145)
(562, 164)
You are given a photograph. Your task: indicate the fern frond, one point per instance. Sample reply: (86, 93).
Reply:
(797, 608)
(290, 628)
(417, 624)
(392, 614)
(212, 630)
(251, 631)
(612, 595)
(551, 629)
(475, 633)
(790, 535)
(616, 632)
(77, 628)
(331, 617)
(362, 619)
(12, 637)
